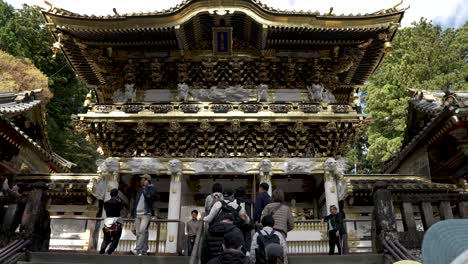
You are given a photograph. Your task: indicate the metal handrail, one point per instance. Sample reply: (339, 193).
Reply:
(198, 245)
(7, 253)
(101, 219)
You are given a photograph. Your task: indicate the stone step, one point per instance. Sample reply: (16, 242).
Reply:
(343, 259)
(76, 258)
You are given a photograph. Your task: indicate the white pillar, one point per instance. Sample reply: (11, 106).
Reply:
(265, 171)
(174, 207)
(331, 196)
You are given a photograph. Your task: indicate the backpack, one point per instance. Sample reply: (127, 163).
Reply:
(263, 241)
(227, 209)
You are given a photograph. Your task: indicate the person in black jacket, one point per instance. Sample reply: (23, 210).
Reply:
(263, 198)
(213, 245)
(246, 229)
(335, 229)
(232, 254)
(112, 224)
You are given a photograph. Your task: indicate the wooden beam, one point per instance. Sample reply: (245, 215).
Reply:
(407, 214)
(427, 215)
(463, 209)
(445, 210)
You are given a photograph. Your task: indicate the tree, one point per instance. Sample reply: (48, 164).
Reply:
(425, 57)
(23, 34)
(21, 75)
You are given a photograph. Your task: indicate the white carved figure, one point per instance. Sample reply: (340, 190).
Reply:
(227, 165)
(321, 94)
(144, 165)
(128, 95)
(336, 169)
(262, 93)
(107, 165)
(237, 94)
(298, 165)
(174, 167)
(183, 92)
(265, 167)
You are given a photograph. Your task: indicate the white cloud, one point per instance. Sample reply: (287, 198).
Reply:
(446, 13)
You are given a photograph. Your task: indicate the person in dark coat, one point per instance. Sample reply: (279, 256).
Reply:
(232, 254)
(246, 229)
(263, 198)
(142, 211)
(213, 245)
(112, 224)
(335, 229)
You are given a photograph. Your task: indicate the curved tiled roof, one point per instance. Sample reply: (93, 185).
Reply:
(184, 4)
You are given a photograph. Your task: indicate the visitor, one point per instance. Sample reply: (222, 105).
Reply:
(343, 233)
(213, 245)
(142, 211)
(246, 229)
(216, 195)
(192, 230)
(263, 241)
(335, 229)
(284, 221)
(263, 198)
(228, 205)
(112, 224)
(232, 253)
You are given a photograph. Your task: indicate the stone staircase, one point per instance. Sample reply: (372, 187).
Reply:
(75, 258)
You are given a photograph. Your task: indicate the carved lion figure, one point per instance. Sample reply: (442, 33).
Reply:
(174, 167)
(183, 92)
(265, 167)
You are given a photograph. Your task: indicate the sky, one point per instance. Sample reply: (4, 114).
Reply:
(446, 13)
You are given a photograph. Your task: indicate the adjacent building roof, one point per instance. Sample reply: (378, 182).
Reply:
(12, 104)
(430, 114)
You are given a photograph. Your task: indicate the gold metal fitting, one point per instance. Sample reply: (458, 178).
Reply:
(388, 48)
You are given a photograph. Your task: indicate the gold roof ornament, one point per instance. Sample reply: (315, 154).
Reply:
(57, 46)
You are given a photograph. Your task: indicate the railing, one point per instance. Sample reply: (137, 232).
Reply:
(14, 251)
(198, 246)
(397, 251)
(85, 234)
(310, 237)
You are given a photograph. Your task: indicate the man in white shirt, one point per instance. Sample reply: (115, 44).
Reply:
(215, 215)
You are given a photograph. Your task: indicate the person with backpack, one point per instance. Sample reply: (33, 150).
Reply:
(246, 229)
(213, 243)
(216, 195)
(335, 229)
(228, 205)
(112, 224)
(263, 198)
(263, 242)
(284, 220)
(232, 253)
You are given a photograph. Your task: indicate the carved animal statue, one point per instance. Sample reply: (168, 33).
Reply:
(262, 93)
(265, 167)
(319, 93)
(174, 167)
(183, 92)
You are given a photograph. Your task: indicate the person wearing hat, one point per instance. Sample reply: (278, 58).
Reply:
(227, 205)
(142, 211)
(232, 244)
(112, 224)
(335, 229)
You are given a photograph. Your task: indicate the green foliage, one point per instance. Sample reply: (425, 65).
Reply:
(23, 34)
(425, 57)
